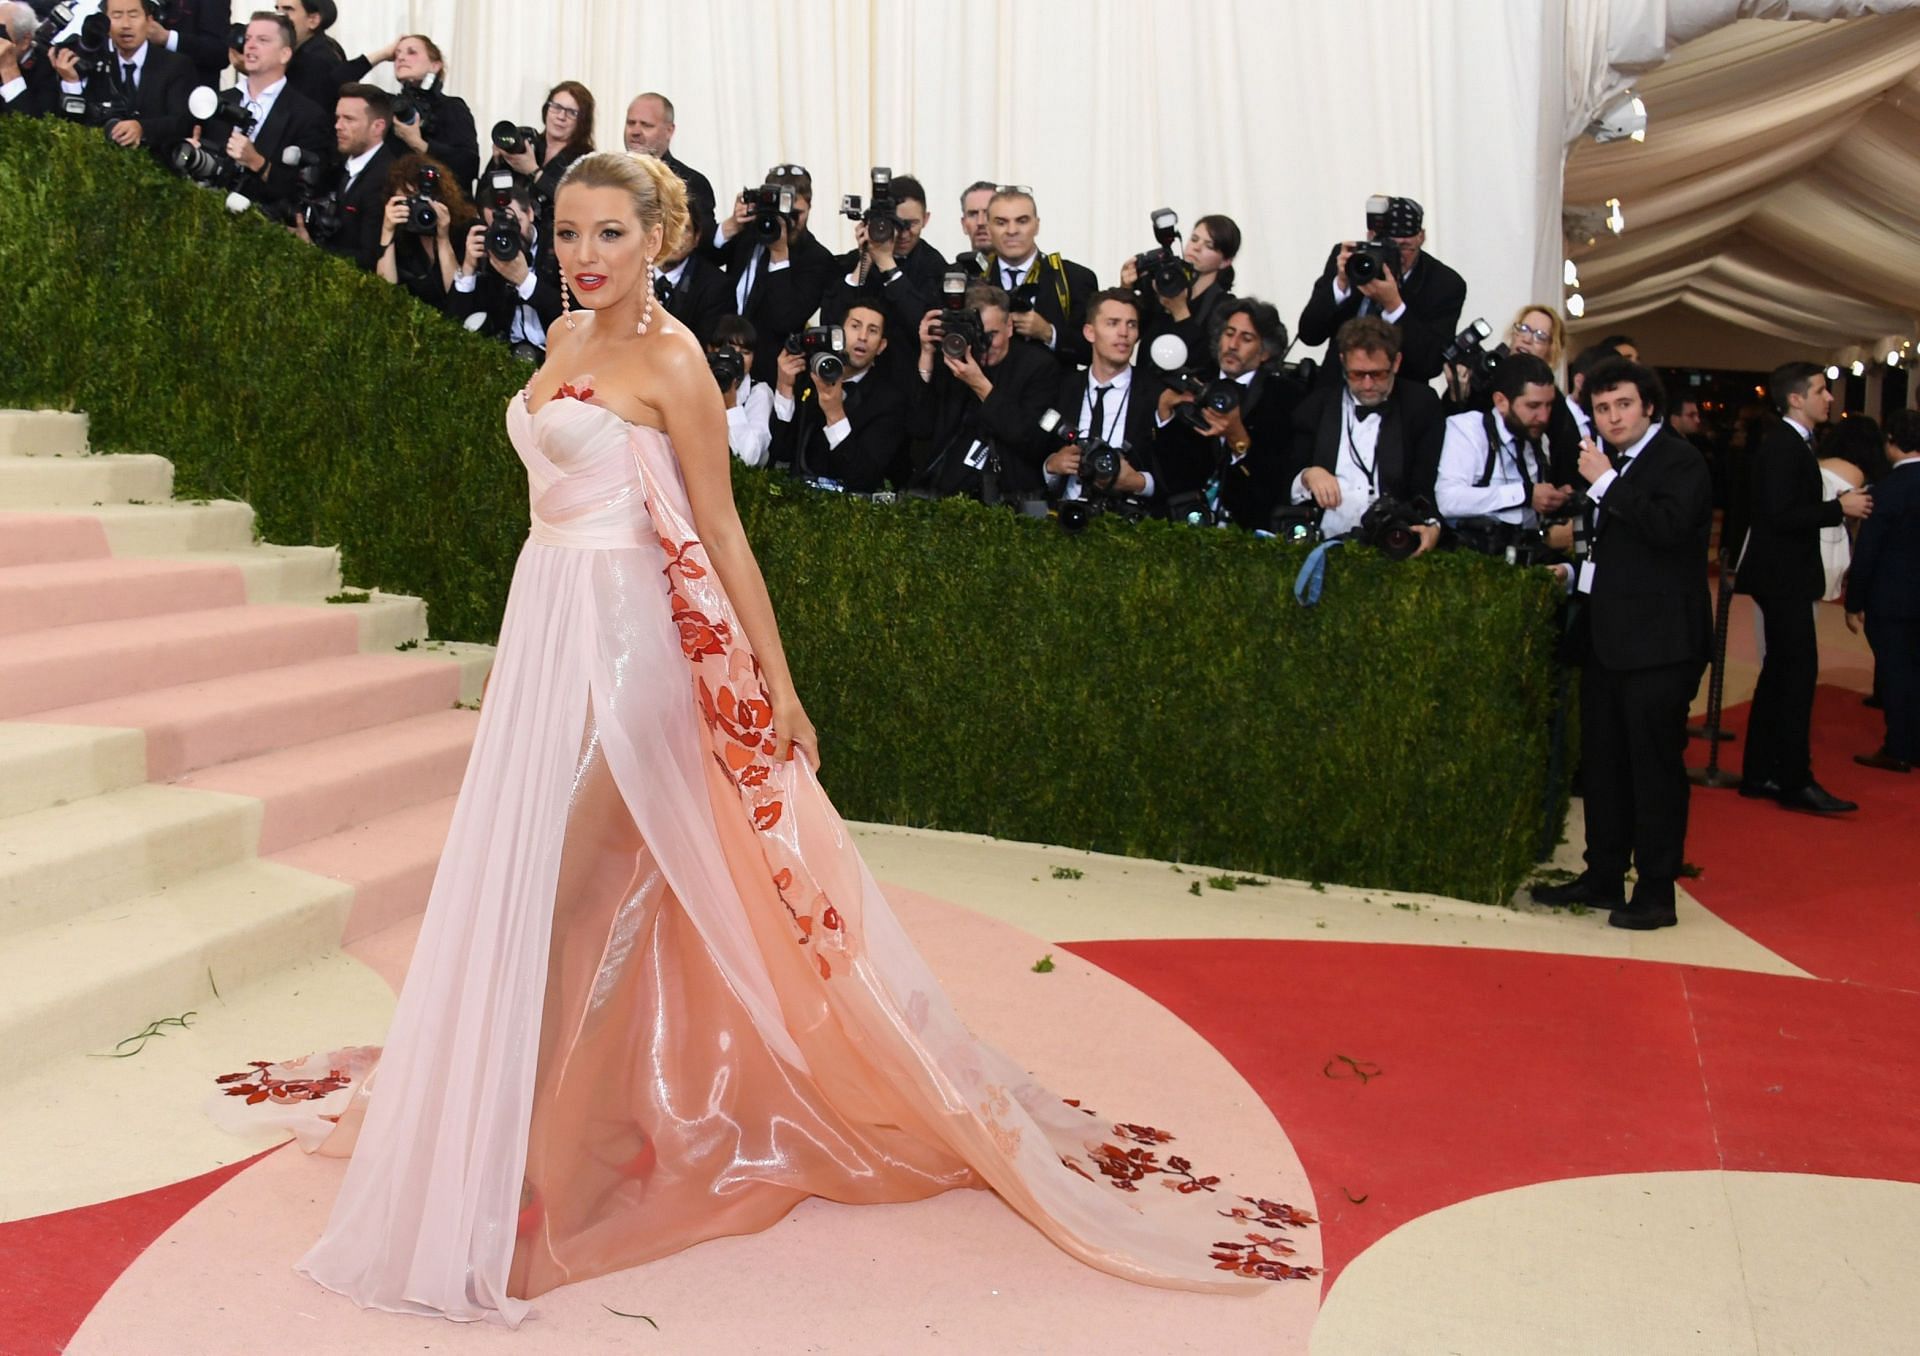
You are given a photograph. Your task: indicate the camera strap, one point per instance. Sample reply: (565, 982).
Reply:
(1369, 470)
(1491, 422)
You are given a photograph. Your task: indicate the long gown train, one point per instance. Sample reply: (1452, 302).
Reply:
(657, 997)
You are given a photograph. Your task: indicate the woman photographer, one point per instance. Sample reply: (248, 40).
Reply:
(566, 135)
(427, 120)
(1210, 250)
(426, 212)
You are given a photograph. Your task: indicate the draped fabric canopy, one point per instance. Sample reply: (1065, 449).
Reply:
(1772, 198)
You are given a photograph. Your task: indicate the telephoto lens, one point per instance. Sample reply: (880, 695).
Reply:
(503, 239)
(727, 366)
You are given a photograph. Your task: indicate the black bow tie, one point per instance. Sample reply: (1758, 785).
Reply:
(1366, 411)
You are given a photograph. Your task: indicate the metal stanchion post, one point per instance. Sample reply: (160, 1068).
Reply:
(1712, 775)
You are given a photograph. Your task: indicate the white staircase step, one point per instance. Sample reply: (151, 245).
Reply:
(65, 860)
(168, 529)
(82, 983)
(42, 433)
(475, 661)
(44, 765)
(386, 620)
(81, 482)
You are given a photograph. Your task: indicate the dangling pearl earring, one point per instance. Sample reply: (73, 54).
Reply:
(646, 314)
(566, 302)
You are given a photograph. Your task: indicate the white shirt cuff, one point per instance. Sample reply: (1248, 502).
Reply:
(525, 289)
(72, 86)
(465, 282)
(173, 40)
(14, 88)
(719, 238)
(1053, 332)
(1298, 490)
(1393, 317)
(1598, 490)
(1147, 493)
(1340, 294)
(838, 431)
(782, 407)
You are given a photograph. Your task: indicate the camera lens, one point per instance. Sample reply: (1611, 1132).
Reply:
(827, 367)
(954, 344)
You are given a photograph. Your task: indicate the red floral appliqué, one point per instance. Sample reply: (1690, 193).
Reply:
(257, 1085)
(568, 391)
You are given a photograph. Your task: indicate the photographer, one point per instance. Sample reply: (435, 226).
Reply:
(900, 274)
(1234, 461)
(1645, 630)
(974, 229)
(1112, 401)
(1537, 330)
(1493, 465)
(148, 84)
(424, 206)
(31, 93)
(317, 59)
(199, 34)
(692, 289)
(835, 420)
(426, 119)
(508, 284)
(1414, 291)
(360, 119)
(981, 405)
(282, 116)
(1047, 292)
(777, 276)
(649, 131)
(749, 402)
(1373, 437)
(566, 135)
(1209, 253)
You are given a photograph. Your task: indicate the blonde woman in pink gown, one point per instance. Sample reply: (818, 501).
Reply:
(657, 998)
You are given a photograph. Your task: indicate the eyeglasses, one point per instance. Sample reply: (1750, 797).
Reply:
(796, 171)
(562, 111)
(1023, 190)
(1522, 328)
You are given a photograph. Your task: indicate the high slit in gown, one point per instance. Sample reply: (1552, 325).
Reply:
(657, 997)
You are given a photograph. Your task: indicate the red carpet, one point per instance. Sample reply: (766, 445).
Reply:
(1501, 1069)
(1839, 897)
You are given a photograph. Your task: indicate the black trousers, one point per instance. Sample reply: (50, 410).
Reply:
(1896, 663)
(1633, 740)
(1779, 728)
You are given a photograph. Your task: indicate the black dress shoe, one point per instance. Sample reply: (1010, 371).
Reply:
(1580, 890)
(1762, 790)
(1813, 799)
(1640, 918)
(1883, 760)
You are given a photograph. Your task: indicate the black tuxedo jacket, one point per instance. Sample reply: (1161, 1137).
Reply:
(1025, 385)
(493, 298)
(700, 201)
(1781, 554)
(452, 138)
(316, 70)
(1885, 579)
(914, 290)
(1193, 331)
(1434, 295)
(877, 415)
(1649, 604)
(362, 208)
(1138, 431)
(202, 28)
(160, 101)
(294, 120)
(784, 299)
(39, 97)
(1047, 276)
(1253, 486)
(1407, 452)
(701, 298)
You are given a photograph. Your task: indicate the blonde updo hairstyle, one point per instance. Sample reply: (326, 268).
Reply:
(659, 198)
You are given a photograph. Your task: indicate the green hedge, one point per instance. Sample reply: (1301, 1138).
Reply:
(1147, 689)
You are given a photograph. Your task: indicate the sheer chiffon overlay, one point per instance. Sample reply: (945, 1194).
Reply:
(657, 997)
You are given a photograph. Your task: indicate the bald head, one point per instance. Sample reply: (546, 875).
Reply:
(650, 125)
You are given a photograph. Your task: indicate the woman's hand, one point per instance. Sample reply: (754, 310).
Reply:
(411, 134)
(522, 161)
(442, 218)
(795, 731)
(397, 213)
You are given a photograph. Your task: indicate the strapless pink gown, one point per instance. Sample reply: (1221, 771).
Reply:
(657, 997)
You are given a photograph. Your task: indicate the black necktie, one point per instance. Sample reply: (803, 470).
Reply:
(1099, 429)
(126, 76)
(663, 291)
(1013, 277)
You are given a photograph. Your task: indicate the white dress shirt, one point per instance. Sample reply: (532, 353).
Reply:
(261, 104)
(838, 431)
(524, 326)
(357, 163)
(139, 60)
(1113, 432)
(749, 422)
(1356, 467)
(15, 87)
(1598, 491)
(1463, 457)
(756, 264)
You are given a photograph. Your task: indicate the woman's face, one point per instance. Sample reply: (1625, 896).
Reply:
(1202, 254)
(563, 118)
(412, 61)
(602, 251)
(1533, 334)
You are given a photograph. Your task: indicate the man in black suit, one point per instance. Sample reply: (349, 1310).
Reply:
(1778, 565)
(515, 300)
(1113, 402)
(283, 115)
(776, 283)
(850, 429)
(1375, 436)
(1419, 295)
(692, 288)
(1232, 462)
(649, 131)
(29, 91)
(317, 58)
(1648, 628)
(141, 75)
(361, 117)
(980, 412)
(901, 275)
(1883, 592)
(199, 33)
(1050, 294)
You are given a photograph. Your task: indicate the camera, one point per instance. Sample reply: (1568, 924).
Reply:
(825, 347)
(1164, 269)
(107, 114)
(1099, 459)
(1192, 508)
(219, 116)
(1577, 511)
(1468, 351)
(882, 223)
(1297, 524)
(1370, 262)
(1021, 299)
(1388, 527)
(729, 368)
(421, 218)
(316, 203)
(512, 139)
(961, 329)
(236, 37)
(772, 209)
(417, 101)
(1220, 395)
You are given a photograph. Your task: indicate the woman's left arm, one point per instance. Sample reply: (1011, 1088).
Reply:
(696, 421)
